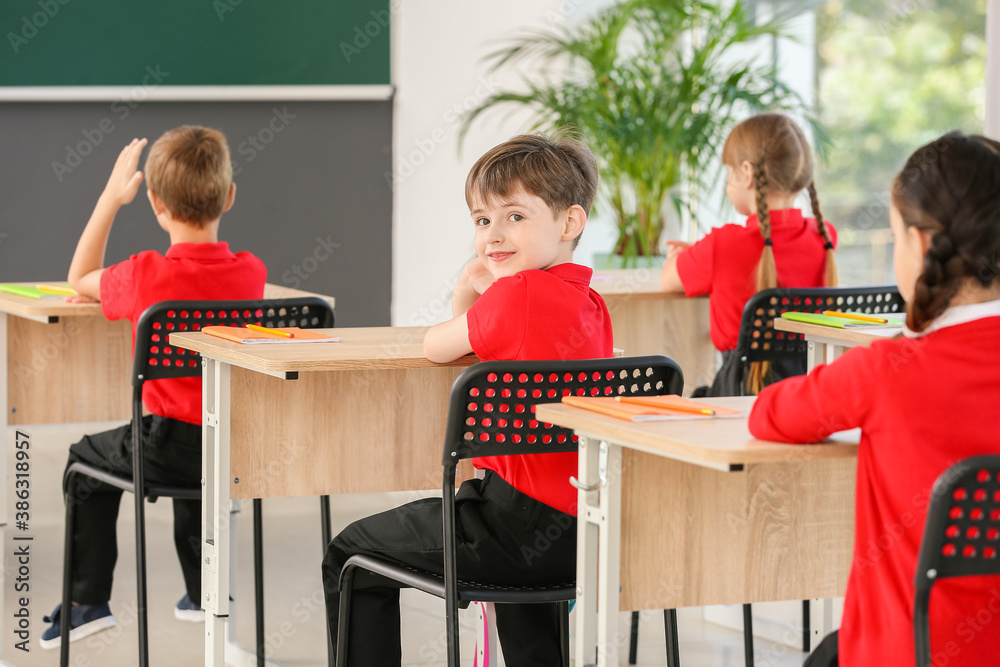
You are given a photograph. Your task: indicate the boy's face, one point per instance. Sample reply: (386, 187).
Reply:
(521, 233)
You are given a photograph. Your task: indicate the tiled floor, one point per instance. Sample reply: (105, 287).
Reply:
(293, 595)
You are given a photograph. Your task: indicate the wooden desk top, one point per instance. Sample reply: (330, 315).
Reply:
(42, 308)
(631, 284)
(847, 337)
(358, 349)
(710, 442)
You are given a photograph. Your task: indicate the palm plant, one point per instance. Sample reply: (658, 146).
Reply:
(648, 85)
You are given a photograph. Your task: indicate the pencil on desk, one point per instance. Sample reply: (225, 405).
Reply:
(640, 400)
(56, 289)
(276, 332)
(853, 316)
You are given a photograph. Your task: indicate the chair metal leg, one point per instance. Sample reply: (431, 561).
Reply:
(564, 632)
(140, 533)
(748, 635)
(806, 627)
(324, 519)
(258, 578)
(633, 639)
(670, 631)
(67, 590)
(343, 620)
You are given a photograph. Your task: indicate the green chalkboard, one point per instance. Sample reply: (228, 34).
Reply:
(194, 42)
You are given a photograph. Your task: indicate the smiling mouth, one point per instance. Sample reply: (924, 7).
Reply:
(499, 256)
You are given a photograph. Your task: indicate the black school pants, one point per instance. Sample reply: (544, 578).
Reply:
(827, 654)
(502, 537)
(172, 455)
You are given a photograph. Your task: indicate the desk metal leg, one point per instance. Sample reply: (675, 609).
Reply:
(215, 546)
(598, 552)
(816, 354)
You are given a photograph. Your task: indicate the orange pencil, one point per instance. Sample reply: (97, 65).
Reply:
(642, 400)
(257, 327)
(853, 316)
(56, 289)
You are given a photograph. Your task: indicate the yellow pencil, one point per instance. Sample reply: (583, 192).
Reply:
(257, 327)
(55, 289)
(853, 316)
(652, 403)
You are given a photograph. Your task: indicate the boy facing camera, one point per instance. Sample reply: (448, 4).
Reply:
(189, 188)
(522, 298)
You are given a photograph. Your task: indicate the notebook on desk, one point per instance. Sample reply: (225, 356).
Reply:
(894, 321)
(250, 337)
(33, 292)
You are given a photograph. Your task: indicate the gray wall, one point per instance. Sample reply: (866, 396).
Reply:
(318, 180)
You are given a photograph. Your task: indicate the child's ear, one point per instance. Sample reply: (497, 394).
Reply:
(746, 174)
(576, 219)
(231, 198)
(158, 206)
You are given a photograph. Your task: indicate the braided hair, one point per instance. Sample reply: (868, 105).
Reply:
(782, 160)
(950, 189)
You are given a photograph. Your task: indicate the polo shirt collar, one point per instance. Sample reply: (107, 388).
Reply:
(572, 273)
(204, 251)
(780, 219)
(954, 315)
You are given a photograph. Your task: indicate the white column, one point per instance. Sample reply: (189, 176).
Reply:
(993, 69)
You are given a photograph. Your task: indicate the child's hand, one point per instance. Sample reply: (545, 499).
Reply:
(477, 276)
(80, 298)
(125, 177)
(675, 248)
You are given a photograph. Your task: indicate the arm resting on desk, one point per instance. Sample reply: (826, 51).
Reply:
(807, 408)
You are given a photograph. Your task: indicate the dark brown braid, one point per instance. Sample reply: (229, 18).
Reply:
(831, 265)
(950, 189)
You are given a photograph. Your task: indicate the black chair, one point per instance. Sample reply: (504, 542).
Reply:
(759, 341)
(155, 359)
(961, 536)
(469, 434)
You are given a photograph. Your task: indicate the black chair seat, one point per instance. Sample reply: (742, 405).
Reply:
(153, 491)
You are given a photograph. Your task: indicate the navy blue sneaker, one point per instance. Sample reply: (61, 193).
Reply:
(85, 620)
(186, 610)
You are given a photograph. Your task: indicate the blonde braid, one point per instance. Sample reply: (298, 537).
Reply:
(831, 263)
(767, 275)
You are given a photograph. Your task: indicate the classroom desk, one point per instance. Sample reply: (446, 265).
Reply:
(696, 513)
(828, 343)
(366, 414)
(50, 349)
(647, 320)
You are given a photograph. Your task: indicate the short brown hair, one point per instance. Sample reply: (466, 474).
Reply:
(189, 170)
(560, 170)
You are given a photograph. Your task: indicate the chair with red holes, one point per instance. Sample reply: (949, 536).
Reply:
(469, 435)
(961, 536)
(155, 359)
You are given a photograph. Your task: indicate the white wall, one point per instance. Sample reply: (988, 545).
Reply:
(993, 69)
(437, 51)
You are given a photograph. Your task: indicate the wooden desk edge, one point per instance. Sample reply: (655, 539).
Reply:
(595, 425)
(828, 334)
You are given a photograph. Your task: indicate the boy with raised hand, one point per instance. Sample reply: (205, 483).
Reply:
(522, 298)
(189, 188)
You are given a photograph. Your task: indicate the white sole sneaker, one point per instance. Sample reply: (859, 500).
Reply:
(191, 615)
(84, 630)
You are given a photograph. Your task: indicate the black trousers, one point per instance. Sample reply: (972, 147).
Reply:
(503, 537)
(826, 654)
(172, 452)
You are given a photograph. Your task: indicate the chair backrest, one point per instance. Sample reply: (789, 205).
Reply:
(493, 403)
(155, 359)
(758, 340)
(961, 536)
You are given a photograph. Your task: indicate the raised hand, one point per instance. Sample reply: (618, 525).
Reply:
(125, 177)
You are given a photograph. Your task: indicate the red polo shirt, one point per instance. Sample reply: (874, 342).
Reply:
(922, 405)
(189, 271)
(724, 266)
(539, 315)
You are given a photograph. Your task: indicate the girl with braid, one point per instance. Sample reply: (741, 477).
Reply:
(768, 162)
(923, 402)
